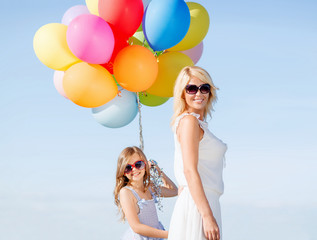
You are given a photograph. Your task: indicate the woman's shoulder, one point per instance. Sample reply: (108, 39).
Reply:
(186, 118)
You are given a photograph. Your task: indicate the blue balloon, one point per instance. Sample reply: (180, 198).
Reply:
(165, 23)
(119, 112)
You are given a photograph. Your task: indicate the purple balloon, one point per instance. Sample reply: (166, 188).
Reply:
(73, 12)
(90, 38)
(195, 52)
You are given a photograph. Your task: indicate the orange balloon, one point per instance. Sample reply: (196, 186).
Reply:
(135, 68)
(89, 85)
(170, 64)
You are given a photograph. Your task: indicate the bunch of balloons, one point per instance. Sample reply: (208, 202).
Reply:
(106, 51)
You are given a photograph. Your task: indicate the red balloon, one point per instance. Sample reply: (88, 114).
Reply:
(123, 15)
(119, 44)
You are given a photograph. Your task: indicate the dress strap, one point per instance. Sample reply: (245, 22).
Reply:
(134, 193)
(202, 124)
(153, 195)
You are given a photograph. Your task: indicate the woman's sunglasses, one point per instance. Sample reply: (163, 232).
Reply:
(140, 164)
(193, 89)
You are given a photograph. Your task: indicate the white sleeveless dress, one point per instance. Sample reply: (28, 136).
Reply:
(186, 221)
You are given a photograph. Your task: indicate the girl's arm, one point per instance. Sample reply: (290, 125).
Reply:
(129, 206)
(189, 135)
(169, 189)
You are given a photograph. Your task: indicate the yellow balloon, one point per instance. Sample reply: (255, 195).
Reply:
(92, 6)
(50, 46)
(89, 85)
(198, 28)
(169, 64)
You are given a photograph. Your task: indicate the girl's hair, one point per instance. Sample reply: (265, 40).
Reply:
(182, 80)
(122, 180)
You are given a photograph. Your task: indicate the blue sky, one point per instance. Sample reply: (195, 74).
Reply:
(57, 165)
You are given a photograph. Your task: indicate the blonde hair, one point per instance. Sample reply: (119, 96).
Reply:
(182, 80)
(122, 180)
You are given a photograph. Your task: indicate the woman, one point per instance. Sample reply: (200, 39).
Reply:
(199, 157)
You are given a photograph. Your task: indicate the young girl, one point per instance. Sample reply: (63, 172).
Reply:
(135, 198)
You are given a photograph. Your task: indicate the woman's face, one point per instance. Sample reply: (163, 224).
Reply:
(196, 102)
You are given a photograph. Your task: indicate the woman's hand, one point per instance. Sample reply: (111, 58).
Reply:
(211, 229)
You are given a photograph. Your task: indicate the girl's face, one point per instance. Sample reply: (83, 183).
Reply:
(135, 174)
(196, 102)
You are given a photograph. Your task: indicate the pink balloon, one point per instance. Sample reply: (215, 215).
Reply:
(58, 82)
(195, 52)
(73, 12)
(90, 38)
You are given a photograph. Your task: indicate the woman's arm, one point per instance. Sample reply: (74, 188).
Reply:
(129, 206)
(189, 135)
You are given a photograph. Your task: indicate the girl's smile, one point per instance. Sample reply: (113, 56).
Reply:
(136, 174)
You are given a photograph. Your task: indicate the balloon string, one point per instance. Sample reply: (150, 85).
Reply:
(140, 123)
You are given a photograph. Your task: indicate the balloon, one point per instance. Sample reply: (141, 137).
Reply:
(73, 12)
(165, 23)
(108, 66)
(146, 3)
(199, 25)
(89, 85)
(51, 48)
(119, 44)
(135, 68)
(123, 15)
(58, 82)
(152, 100)
(135, 41)
(92, 6)
(90, 38)
(138, 38)
(170, 64)
(119, 112)
(195, 52)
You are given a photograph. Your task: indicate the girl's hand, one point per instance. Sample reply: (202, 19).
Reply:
(153, 164)
(211, 229)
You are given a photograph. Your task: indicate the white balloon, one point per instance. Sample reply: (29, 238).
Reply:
(146, 3)
(119, 112)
